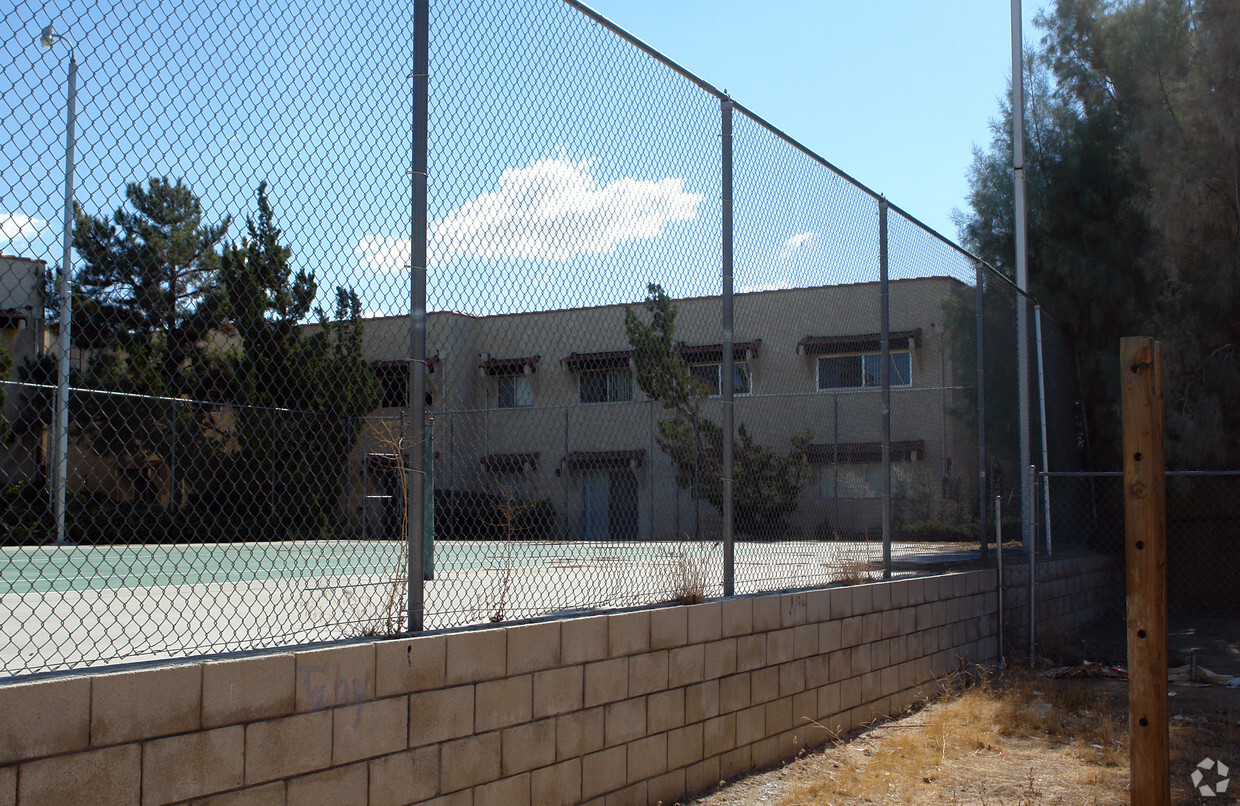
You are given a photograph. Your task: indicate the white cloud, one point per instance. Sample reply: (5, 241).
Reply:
(554, 209)
(777, 285)
(797, 242)
(383, 253)
(550, 210)
(17, 227)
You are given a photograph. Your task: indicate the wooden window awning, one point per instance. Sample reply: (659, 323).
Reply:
(401, 365)
(614, 359)
(509, 366)
(862, 343)
(498, 462)
(857, 452)
(597, 460)
(13, 318)
(385, 462)
(713, 353)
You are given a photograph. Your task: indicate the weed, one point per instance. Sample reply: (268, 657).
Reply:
(687, 575)
(510, 509)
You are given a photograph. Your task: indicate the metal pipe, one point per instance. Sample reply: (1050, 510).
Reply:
(884, 292)
(1033, 583)
(1022, 267)
(1046, 462)
(726, 368)
(999, 567)
(982, 483)
(60, 437)
(417, 316)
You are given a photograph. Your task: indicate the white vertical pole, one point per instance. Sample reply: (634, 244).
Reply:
(60, 428)
(1022, 267)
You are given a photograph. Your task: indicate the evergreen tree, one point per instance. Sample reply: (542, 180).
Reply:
(298, 399)
(767, 482)
(1134, 220)
(146, 303)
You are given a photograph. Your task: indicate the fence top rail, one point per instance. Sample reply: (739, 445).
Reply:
(705, 85)
(1093, 474)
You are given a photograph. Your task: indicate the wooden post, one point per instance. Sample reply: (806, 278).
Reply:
(1145, 520)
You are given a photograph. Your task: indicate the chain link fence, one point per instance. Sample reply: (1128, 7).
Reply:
(262, 406)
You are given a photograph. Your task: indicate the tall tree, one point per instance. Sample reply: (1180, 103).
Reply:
(150, 270)
(1135, 209)
(146, 297)
(298, 399)
(767, 482)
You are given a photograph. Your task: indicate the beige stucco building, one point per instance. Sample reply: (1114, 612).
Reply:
(544, 406)
(23, 334)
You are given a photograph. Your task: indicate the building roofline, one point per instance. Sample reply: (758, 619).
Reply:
(737, 295)
(23, 259)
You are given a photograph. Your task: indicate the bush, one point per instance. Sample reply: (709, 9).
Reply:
(26, 519)
(469, 515)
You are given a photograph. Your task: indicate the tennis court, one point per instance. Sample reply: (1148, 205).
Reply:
(75, 606)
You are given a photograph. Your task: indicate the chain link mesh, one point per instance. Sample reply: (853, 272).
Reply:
(240, 427)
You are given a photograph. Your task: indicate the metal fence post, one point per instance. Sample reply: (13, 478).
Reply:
(884, 291)
(1046, 485)
(999, 567)
(982, 484)
(726, 368)
(417, 317)
(1031, 483)
(1022, 268)
(60, 468)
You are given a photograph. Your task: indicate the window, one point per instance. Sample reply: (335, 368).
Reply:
(859, 479)
(515, 391)
(514, 482)
(863, 371)
(606, 385)
(708, 374)
(393, 378)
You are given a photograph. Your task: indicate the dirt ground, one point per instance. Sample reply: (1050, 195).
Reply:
(1019, 737)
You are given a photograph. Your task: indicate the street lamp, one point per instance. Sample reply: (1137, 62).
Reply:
(60, 428)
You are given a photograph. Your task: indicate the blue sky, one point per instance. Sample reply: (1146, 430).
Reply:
(567, 168)
(895, 93)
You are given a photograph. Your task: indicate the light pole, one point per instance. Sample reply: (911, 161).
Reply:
(60, 428)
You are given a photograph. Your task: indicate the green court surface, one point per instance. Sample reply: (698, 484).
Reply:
(63, 568)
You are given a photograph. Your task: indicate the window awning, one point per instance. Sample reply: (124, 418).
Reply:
(713, 353)
(13, 318)
(596, 460)
(385, 462)
(862, 343)
(615, 359)
(856, 452)
(510, 461)
(509, 366)
(401, 365)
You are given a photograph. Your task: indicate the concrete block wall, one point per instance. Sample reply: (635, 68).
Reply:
(1070, 594)
(623, 708)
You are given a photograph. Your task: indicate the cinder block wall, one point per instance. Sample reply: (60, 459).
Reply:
(1070, 594)
(634, 707)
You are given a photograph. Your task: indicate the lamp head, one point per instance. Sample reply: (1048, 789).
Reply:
(48, 39)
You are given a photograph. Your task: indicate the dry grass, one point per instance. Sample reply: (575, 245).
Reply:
(1012, 741)
(688, 572)
(1019, 739)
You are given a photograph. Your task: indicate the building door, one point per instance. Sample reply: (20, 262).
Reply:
(608, 504)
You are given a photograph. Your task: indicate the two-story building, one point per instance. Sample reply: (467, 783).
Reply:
(544, 406)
